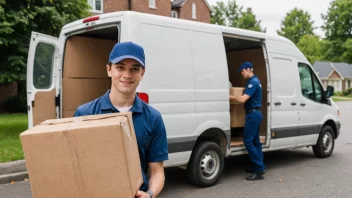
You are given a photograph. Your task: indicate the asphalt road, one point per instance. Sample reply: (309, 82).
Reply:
(290, 173)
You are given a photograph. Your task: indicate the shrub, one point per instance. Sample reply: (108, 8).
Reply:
(16, 104)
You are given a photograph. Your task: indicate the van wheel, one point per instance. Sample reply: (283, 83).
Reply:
(206, 164)
(325, 144)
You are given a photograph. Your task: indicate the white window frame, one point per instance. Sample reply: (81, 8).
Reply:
(194, 11)
(94, 8)
(152, 4)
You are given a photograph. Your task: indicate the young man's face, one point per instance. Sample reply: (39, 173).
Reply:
(245, 73)
(126, 75)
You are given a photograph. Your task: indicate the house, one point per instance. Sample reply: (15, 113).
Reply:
(338, 75)
(196, 10)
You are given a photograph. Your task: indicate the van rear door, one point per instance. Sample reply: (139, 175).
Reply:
(41, 85)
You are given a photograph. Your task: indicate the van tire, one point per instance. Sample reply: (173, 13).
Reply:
(206, 164)
(326, 143)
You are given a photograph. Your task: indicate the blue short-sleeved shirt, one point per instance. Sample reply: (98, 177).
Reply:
(149, 128)
(254, 90)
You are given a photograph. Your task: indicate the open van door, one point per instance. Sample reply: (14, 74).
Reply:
(41, 85)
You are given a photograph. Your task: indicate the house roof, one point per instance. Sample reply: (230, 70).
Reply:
(179, 3)
(324, 69)
(344, 69)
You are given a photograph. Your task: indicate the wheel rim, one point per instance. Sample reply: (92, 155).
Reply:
(210, 164)
(327, 142)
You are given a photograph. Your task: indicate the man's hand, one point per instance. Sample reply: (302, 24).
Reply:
(142, 194)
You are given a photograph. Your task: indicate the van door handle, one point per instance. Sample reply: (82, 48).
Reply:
(293, 103)
(277, 103)
(303, 104)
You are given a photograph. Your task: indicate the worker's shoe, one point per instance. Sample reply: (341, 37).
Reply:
(256, 175)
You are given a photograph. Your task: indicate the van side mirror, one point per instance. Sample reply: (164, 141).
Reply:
(329, 91)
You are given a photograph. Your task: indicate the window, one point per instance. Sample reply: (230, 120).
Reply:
(194, 11)
(174, 14)
(152, 4)
(96, 5)
(43, 65)
(310, 86)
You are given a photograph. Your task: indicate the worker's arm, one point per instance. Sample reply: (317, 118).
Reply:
(240, 99)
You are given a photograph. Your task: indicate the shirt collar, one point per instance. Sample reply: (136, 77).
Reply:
(105, 103)
(251, 78)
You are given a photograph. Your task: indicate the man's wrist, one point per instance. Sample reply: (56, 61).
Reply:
(150, 193)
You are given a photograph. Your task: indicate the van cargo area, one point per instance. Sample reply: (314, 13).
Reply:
(84, 69)
(237, 52)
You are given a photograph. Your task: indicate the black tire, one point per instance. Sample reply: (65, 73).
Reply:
(206, 164)
(326, 143)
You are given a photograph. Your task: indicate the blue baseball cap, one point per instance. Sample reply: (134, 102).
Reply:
(127, 50)
(245, 65)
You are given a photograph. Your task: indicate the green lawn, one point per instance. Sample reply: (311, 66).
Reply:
(341, 98)
(11, 125)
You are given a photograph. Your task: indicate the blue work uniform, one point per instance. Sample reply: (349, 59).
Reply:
(148, 125)
(253, 119)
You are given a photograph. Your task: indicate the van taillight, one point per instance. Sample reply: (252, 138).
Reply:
(93, 18)
(144, 97)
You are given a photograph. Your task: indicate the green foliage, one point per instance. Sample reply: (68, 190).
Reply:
(231, 14)
(218, 16)
(296, 24)
(338, 31)
(311, 47)
(18, 18)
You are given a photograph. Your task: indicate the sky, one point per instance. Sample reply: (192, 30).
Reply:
(271, 12)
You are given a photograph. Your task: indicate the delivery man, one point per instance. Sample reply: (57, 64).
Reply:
(252, 99)
(126, 68)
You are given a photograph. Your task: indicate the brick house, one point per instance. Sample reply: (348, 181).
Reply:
(196, 10)
(338, 75)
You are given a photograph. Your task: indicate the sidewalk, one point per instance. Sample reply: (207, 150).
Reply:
(13, 171)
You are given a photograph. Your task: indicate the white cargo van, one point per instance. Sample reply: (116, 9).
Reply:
(188, 69)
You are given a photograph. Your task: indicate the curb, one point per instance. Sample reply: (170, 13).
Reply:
(13, 171)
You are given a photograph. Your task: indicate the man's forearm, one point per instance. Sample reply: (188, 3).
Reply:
(156, 182)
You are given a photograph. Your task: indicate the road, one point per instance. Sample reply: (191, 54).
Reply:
(290, 173)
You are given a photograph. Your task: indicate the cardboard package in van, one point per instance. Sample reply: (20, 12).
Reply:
(237, 112)
(88, 156)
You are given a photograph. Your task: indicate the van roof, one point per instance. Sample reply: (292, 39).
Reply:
(184, 22)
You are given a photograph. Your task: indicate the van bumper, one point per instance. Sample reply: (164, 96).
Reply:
(338, 127)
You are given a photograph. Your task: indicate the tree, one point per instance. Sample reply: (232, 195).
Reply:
(248, 21)
(219, 15)
(338, 30)
(231, 14)
(18, 18)
(296, 24)
(311, 47)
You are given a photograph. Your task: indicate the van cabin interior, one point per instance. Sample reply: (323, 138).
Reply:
(84, 76)
(237, 52)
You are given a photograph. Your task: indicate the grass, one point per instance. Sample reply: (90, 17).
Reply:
(11, 125)
(341, 98)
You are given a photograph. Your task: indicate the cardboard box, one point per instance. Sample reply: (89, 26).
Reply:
(89, 156)
(67, 114)
(236, 91)
(86, 57)
(237, 112)
(76, 92)
(238, 115)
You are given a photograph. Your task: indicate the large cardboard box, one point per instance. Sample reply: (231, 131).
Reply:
(89, 156)
(236, 91)
(86, 57)
(76, 92)
(237, 112)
